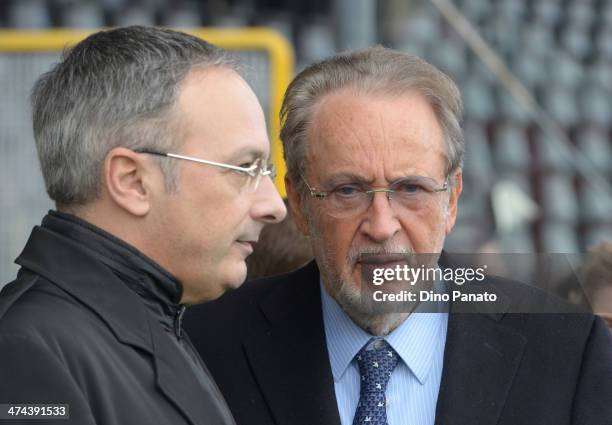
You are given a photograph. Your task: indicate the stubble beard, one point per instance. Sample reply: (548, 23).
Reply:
(347, 293)
(341, 286)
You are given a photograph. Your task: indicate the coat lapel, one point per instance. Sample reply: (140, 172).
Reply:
(480, 361)
(74, 269)
(289, 359)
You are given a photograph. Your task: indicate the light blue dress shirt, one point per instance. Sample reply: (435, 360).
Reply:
(412, 392)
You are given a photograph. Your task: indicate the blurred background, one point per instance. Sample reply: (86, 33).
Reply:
(538, 169)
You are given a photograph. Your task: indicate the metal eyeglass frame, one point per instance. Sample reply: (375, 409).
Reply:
(321, 194)
(266, 170)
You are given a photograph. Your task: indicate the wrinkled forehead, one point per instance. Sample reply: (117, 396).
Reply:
(376, 134)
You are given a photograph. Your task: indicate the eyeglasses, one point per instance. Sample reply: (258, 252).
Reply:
(254, 172)
(406, 194)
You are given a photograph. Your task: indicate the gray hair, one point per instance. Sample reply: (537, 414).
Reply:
(371, 70)
(115, 88)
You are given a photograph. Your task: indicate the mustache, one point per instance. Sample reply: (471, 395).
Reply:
(387, 248)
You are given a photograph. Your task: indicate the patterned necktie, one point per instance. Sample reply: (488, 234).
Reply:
(375, 368)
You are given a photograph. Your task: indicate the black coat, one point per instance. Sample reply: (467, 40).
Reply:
(73, 330)
(270, 360)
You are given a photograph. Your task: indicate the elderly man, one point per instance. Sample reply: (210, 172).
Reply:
(374, 150)
(155, 152)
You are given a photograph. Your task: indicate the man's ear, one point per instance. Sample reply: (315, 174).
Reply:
(456, 187)
(296, 205)
(127, 178)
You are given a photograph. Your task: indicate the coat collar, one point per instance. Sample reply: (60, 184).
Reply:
(157, 288)
(54, 253)
(124, 259)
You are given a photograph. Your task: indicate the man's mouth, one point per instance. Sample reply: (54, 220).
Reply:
(369, 262)
(381, 260)
(249, 245)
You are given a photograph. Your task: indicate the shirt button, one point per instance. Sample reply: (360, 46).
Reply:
(379, 343)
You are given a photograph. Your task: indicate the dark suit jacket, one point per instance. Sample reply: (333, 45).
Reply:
(265, 346)
(72, 332)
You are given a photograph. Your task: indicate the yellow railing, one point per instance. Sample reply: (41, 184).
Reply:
(279, 52)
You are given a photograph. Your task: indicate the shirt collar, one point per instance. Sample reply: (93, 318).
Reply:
(415, 340)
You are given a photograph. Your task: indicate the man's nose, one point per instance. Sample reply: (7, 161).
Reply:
(380, 223)
(268, 206)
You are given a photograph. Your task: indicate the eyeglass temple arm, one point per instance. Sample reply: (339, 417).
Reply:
(248, 170)
(313, 192)
(444, 187)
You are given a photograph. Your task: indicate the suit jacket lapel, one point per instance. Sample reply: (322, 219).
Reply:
(289, 358)
(480, 361)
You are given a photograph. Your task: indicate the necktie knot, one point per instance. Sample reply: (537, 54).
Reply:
(376, 365)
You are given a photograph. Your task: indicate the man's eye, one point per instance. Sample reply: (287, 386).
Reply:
(347, 191)
(408, 188)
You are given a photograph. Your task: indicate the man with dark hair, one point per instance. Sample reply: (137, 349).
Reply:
(155, 152)
(374, 152)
